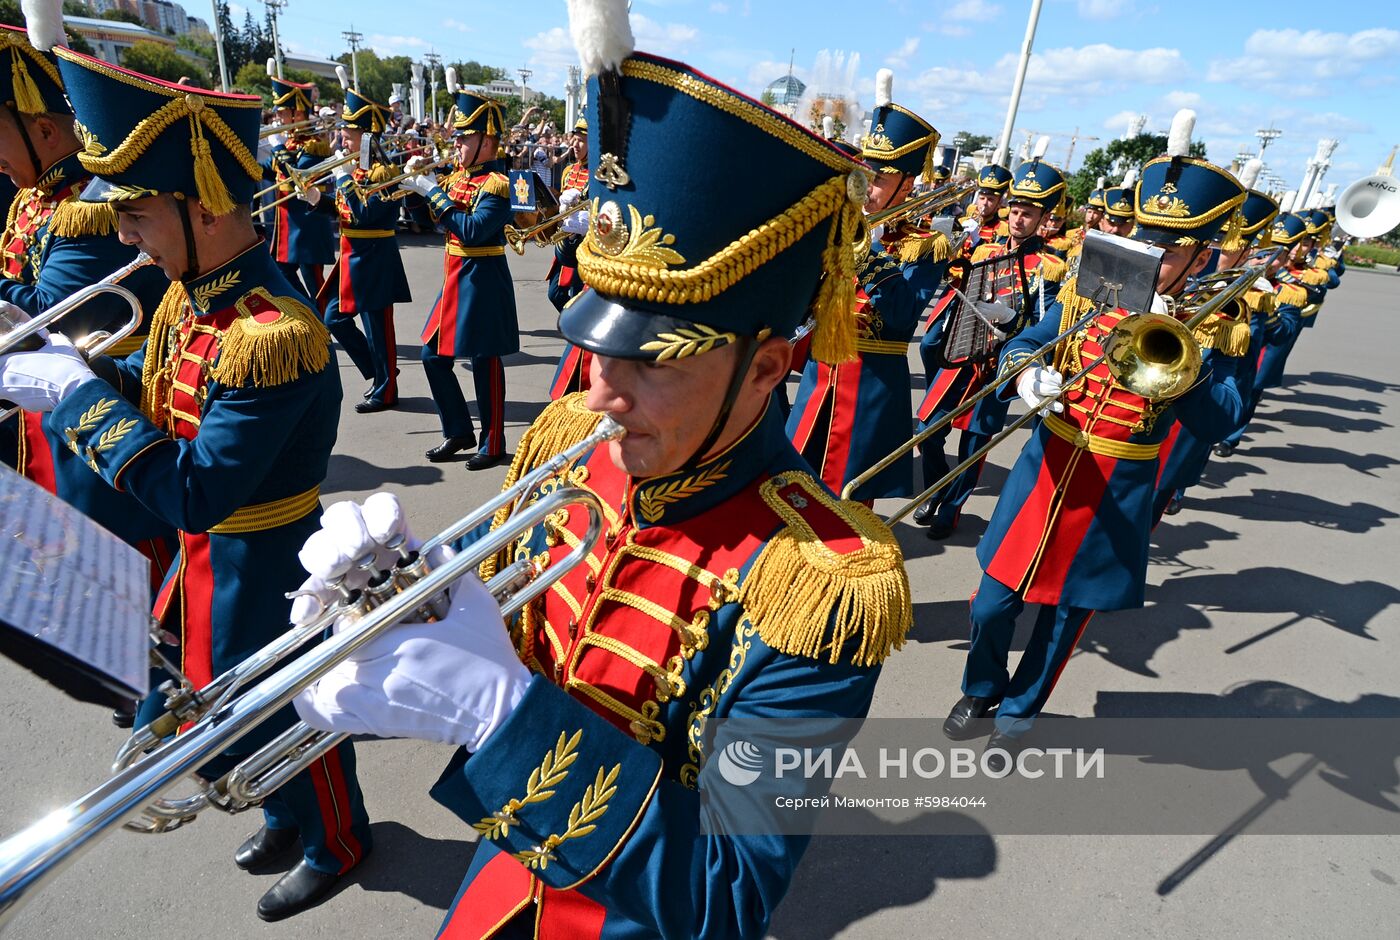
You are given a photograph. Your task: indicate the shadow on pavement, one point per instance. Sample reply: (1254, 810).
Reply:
(1339, 380)
(404, 862)
(1337, 402)
(843, 879)
(1310, 453)
(1309, 418)
(347, 473)
(1283, 506)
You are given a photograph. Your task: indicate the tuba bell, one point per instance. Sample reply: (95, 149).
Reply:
(1370, 207)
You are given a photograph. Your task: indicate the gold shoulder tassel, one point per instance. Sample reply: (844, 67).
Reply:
(155, 377)
(834, 338)
(1292, 294)
(1259, 301)
(561, 425)
(75, 219)
(1052, 269)
(381, 173)
(807, 600)
(920, 247)
(497, 184)
(1072, 306)
(273, 354)
(1314, 277)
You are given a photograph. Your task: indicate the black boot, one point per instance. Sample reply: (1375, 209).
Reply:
(996, 763)
(1224, 449)
(371, 405)
(924, 514)
(938, 531)
(264, 847)
(963, 721)
(1173, 506)
(481, 461)
(301, 888)
(449, 447)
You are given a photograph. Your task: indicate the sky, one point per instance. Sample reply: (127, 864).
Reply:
(1308, 69)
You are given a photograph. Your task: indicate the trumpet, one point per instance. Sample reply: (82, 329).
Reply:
(516, 237)
(26, 334)
(395, 181)
(935, 200)
(316, 123)
(230, 707)
(1150, 354)
(303, 180)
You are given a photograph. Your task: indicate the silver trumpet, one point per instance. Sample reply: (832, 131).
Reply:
(230, 707)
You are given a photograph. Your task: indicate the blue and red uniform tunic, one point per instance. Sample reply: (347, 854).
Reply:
(53, 246)
(222, 426)
(949, 388)
(847, 416)
(300, 238)
(474, 315)
(367, 279)
(719, 596)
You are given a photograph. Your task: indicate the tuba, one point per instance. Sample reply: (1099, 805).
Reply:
(1370, 207)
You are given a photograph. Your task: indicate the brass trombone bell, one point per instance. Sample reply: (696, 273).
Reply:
(1152, 355)
(516, 237)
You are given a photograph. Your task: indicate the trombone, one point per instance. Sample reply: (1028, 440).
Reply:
(395, 181)
(516, 237)
(267, 130)
(1151, 354)
(230, 707)
(935, 200)
(23, 337)
(303, 180)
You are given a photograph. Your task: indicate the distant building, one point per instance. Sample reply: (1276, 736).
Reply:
(111, 38)
(786, 93)
(163, 16)
(324, 68)
(501, 88)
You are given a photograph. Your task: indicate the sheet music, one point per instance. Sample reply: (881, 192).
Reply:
(69, 582)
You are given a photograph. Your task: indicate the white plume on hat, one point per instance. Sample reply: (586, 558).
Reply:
(451, 79)
(884, 88)
(1041, 146)
(1286, 203)
(1098, 183)
(344, 77)
(1249, 174)
(44, 21)
(1179, 137)
(828, 126)
(1130, 177)
(271, 67)
(1315, 201)
(602, 33)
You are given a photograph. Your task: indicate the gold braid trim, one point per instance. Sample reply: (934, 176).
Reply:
(919, 247)
(984, 251)
(155, 373)
(270, 354)
(315, 147)
(1313, 277)
(560, 426)
(1325, 263)
(75, 219)
(212, 191)
(1052, 269)
(382, 173)
(1072, 305)
(497, 184)
(807, 600)
(833, 340)
(1292, 294)
(1259, 301)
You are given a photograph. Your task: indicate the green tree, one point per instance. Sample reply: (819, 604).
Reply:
(160, 61)
(973, 142)
(1113, 160)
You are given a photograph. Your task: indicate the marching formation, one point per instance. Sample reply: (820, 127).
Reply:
(717, 563)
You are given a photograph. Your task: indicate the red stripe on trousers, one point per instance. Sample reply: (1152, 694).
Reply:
(345, 290)
(333, 800)
(941, 384)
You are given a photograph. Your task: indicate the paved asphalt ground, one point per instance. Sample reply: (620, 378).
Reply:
(1287, 551)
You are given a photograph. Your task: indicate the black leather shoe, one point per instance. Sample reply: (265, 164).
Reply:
(939, 531)
(301, 888)
(484, 461)
(449, 447)
(1223, 449)
(963, 721)
(125, 716)
(1173, 506)
(264, 847)
(370, 406)
(924, 514)
(996, 763)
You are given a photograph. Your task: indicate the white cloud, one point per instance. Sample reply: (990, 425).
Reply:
(457, 25)
(719, 9)
(386, 45)
(668, 39)
(1291, 56)
(1103, 9)
(899, 59)
(975, 10)
(1090, 69)
(1177, 100)
(1119, 122)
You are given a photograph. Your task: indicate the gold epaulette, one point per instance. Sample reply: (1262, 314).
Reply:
(561, 425)
(1072, 306)
(1260, 301)
(382, 173)
(1292, 294)
(73, 218)
(1228, 335)
(497, 184)
(317, 148)
(1060, 244)
(986, 250)
(921, 246)
(274, 340)
(809, 595)
(1314, 277)
(1052, 268)
(1325, 263)
(1003, 229)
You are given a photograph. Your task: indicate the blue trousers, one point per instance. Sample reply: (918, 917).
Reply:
(949, 501)
(489, 376)
(374, 352)
(342, 327)
(308, 277)
(994, 610)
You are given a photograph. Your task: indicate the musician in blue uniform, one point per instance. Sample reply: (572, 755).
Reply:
(1071, 529)
(300, 242)
(53, 246)
(473, 317)
(1118, 216)
(731, 594)
(848, 415)
(564, 283)
(1033, 282)
(222, 425)
(1234, 335)
(368, 278)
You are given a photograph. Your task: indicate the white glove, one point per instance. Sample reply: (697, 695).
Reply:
(1038, 383)
(971, 225)
(311, 197)
(343, 170)
(576, 224)
(995, 312)
(275, 140)
(12, 317)
(39, 380)
(1265, 285)
(454, 681)
(352, 544)
(416, 164)
(569, 197)
(365, 142)
(422, 185)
